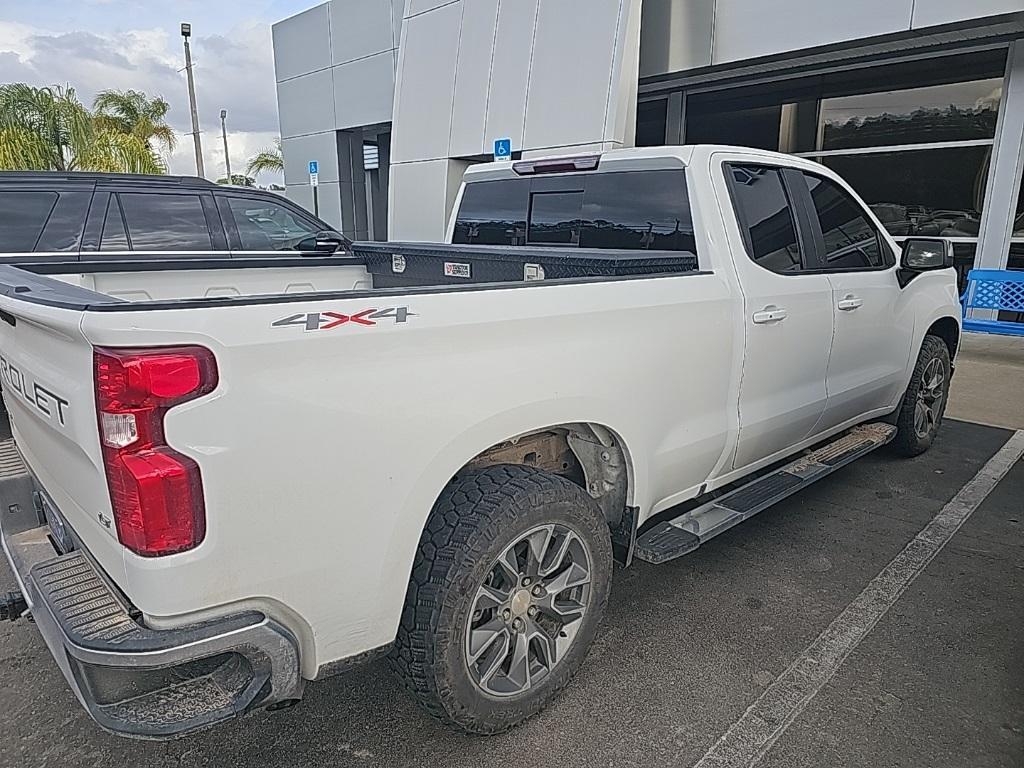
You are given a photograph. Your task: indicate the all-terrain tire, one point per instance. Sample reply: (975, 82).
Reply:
(910, 439)
(478, 515)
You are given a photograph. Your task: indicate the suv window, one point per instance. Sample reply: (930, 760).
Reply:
(632, 210)
(23, 215)
(766, 215)
(165, 222)
(63, 231)
(851, 240)
(266, 226)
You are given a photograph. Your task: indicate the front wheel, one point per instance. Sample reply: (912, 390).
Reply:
(924, 402)
(508, 587)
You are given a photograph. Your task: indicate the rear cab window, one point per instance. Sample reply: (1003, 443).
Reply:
(158, 221)
(627, 210)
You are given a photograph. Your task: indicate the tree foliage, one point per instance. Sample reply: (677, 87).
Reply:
(270, 160)
(49, 129)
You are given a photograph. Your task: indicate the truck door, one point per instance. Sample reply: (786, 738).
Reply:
(874, 328)
(787, 315)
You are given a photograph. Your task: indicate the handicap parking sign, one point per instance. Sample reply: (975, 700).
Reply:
(314, 167)
(503, 149)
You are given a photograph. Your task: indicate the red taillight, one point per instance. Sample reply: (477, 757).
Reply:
(156, 493)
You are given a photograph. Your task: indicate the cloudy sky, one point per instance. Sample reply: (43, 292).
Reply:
(98, 44)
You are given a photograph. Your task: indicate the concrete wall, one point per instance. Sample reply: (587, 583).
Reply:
(541, 72)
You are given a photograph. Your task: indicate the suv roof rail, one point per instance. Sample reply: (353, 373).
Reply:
(120, 178)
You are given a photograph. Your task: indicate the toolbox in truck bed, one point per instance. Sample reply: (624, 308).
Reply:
(395, 263)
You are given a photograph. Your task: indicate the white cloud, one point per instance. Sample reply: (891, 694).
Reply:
(233, 71)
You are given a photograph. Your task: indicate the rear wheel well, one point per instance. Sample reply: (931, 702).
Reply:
(947, 329)
(589, 455)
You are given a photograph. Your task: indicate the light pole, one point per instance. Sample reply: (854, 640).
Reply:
(186, 32)
(224, 135)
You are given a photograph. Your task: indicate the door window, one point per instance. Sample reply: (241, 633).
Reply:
(165, 222)
(22, 218)
(63, 230)
(766, 217)
(851, 240)
(266, 226)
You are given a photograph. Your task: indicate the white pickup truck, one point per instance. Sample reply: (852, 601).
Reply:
(240, 477)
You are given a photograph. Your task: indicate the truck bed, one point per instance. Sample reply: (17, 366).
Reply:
(372, 269)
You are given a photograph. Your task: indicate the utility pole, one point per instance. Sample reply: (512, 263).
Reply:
(224, 135)
(186, 32)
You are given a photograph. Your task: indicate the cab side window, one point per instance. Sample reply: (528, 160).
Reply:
(266, 226)
(851, 240)
(766, 217)
(165, 222)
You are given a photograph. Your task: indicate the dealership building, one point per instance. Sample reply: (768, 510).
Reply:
(919, 104)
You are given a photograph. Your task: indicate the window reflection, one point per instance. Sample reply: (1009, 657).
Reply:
(951, 112)
(929, 193)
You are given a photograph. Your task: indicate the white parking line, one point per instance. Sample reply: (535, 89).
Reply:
(750, 737)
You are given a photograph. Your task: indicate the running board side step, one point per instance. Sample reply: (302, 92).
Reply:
(670, 539)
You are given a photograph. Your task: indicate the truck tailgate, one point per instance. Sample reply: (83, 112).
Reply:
(46, 370)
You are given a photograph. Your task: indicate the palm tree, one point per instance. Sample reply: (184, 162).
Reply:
(48, 129)
(135, 114)
(269, 159)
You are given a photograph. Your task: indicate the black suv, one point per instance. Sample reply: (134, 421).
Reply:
(55, 216)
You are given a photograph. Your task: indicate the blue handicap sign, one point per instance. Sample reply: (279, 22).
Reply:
(314, 167)
(503, 149)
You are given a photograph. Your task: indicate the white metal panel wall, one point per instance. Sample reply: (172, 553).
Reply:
(675, 35)
(425, 85)
(364, 90)
(473, 78)
(931, 12)
(510, 70)
(360, 28)
(305, 104)
(746, 29)
(299, 150)
(548, 74)
(566, 104)
(302, 43)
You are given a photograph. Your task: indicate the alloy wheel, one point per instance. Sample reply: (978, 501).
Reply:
(526, 614)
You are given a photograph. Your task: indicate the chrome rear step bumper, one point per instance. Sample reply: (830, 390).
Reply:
(133, 680)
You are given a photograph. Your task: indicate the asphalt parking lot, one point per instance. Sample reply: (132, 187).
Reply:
(685, 649)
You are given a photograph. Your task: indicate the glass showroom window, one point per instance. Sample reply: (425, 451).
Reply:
(918, 156)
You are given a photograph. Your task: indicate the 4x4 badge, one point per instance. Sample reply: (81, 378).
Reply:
(324, 321)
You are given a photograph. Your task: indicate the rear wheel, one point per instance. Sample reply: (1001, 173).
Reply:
(509, 585)
(924, 403)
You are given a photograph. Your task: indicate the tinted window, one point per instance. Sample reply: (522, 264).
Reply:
(22, 218)
(766, 214)
(555, 218)
(633, 210)
(266, 226)
(159, 222)
(638, 210)
(115, 236)
(493, 213)
(851, 240)
(67, 220)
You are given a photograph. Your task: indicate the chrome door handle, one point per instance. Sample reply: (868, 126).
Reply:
(849, 302)
(770, 314)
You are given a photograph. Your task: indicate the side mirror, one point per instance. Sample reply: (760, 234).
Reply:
(328, 241)
(922, 254)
